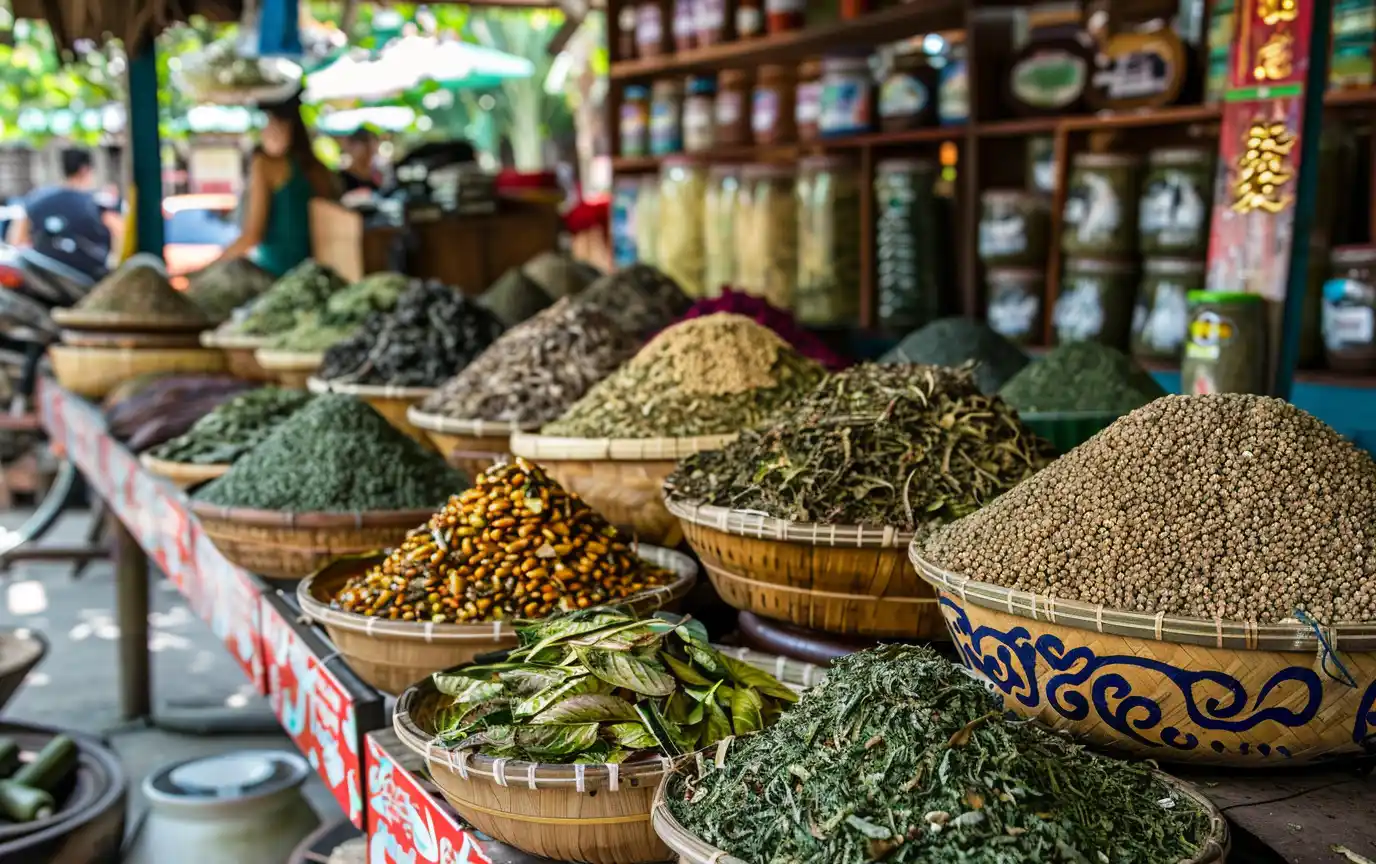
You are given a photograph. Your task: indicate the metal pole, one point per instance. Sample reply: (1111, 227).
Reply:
(131, 614)
(146, 148)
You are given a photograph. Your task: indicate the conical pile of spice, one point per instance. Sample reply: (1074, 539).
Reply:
(1226, 506)
(897, 446)
(560, 275)
(640, 299)
(307, 287)
(515, 545)
(225, 286)
(900, 756)
(514, 298)
(143, 292)
(760, 311)
(1081, 376)
(343, 313)
(233, 428)
(706, 376)
(536, 370)
(336, 455)
(957, 341)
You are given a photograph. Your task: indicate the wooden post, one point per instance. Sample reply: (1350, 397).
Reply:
(146, 148)
(131, 614)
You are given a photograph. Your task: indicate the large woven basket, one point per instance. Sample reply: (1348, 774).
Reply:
(291, 369)
(836, 578)
(621, 478)
(391, 402)
(472, 446)
(239, 351)
(183, 475)
(120, 339)
(691, 849)
(124, 322)
(1169, 688)
(284, 545)
(599, 814)
(94, 372)
(392, 655)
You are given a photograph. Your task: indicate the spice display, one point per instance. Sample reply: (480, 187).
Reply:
(635, 120)
(1099, 217)
(1013, 228)
(760, 311)
(910, 243)
(956, 341)
(1349, 309)
(705, 376)
(514, 297)
(699, 114)
(766, 239)
(1173, 215)
(1226, 505)
(514, 545)
(685, 25)
(732, 111)
(1161, 316)
(640, 300)
(898, 446)
(233, 428)
(432, 334)
(719, 230)
(1095, 302)
(600, 687)
(536, 370)
(900, 756)
(666, 117)
(683, 197)
(847, 96)
(1013, 302)
(306, 287)
(908, 96)
(1084, 376)
(828, 242)
(1225, 349)
(772, 118)
(142, 291)
(1051, 72)
(336, 454)
(714, 22)
(225, 286)
(559, 274)
(343, 313)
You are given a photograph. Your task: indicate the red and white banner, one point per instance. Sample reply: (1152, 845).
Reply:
(405, 825)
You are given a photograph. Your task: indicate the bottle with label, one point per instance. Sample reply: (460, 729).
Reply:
(625, 36)
(781, 16)
(652, 29)
(666, 117)
(1095, 302)
(1014, 227)
(771, 108)
(847, 96)
(767, 233)
(1349, 310)
(733, 108)
(699, 114)
(828, 241)
(624, 193)
(1041, 164)
(1177, 195)
(808, 111)
(721, 211)
(635, 120)
(908, 96)
(953, 88)
(910, 243)
(1100, 216)
(1225, 347)
(682, 223)
(749, 19)
(685, 25)
(1051, 73)
(1162, 316)
(716, 22)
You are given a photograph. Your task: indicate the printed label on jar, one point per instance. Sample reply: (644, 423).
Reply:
(1049, 79)
(1173, 208)
(711, 15)
(845, 105)
(954, 105)
(785, 7)
(1003, 237)
(1162, 327)
(807, 110)
(764, 111)
(728, 108)
(1013, 313)
(1079, 315)
(649, 29)
(1207, 334)
(1348, 318)
(664, 129)
(902, 96)
(697, 125)
(749, 21)
(1093, 210)
(684, 19)
(633, 128)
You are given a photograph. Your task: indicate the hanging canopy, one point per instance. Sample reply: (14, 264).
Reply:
(394, 118)
(409, 63)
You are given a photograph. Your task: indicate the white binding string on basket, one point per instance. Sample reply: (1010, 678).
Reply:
(808, 669)
(496, 630)
(1099, 617)
(370, 623)
(499, 772)
(722, 746)
(613, 776)
(780, 663)
(717, 856)
(429, 632)
(530, 775)
(462, 767)
(1160, 619)
(579, 772)
(1218, 631)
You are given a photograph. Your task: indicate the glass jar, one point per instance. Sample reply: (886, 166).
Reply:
(1177, 192)
(807, 111)
(910, 243)
(1095, 302)
(767, 234)
(733, 108)
(828, 241)
(771, 106)
(1349, 309)
(1052, 71)
(1225, 350)
(749, 19)
(715, 22)
(781, 16)
(635, 120)
(1162, 315)
(1041, 163)
(721, 231)
(699, 114)
(650, 29)
(625, 190)
(682, 217)
(685, 25)
(1014, 227)
(847, 96)
(1013, 298)
(646, 219)
(908, 96)
(625, 35)
(953, 89)
(1100, 218)
(666, 118)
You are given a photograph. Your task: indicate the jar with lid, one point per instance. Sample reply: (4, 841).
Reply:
(771, 106)
(716, 22)
(625, 191)
(1100, 217)
(910, 242)
(1013, 297)
(1162, 316)
(1349, 309)
(767, 235)
(1095, 302)
(651, 28)
(646, 220)
(666, 118)
(682, 217)
(828, 241)
(721, 231)
(1041, 163)
(635, 120)
(953, 88)
(1014, 227)
(625, 32)
(699, 114)
(781, 16)
(1052, 71)
(808, 107)
(732, 113)
(1177, 192)
(1225, 349)
(685, 25)
(749, 19)
(908, 96)
(847, 96)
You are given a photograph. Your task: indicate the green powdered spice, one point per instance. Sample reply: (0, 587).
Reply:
(1082, 376)
(306, 287)
(141, 290)
(226, 285)
(899, 756)
(336, 455)
(957, 341)
(705, 376)
(906, 447)
(343, 313)
(234, 428)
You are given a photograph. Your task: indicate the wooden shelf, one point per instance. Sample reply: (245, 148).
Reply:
(1018, 127)
(926, 134)
(1332, 378)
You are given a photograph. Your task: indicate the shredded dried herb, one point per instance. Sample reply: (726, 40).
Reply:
(306, 287)
(234, 428)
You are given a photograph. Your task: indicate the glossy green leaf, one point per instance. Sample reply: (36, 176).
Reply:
(587, 708)
(707, 660)
(465, 690)
(685, 671)
(633, 736)
(747, 711)
(641, 675)
(556, 740)
(527, 681)
(743, 673)
(633, 635)
(718, 725)
(550, 695)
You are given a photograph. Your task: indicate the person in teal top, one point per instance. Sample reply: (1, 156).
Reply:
(284, 176)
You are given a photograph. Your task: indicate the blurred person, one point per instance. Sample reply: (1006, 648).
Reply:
(65, 222)
(361, 171)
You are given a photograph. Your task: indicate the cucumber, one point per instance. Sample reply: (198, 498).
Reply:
(19, 803)
(50, 767)
(9, 756)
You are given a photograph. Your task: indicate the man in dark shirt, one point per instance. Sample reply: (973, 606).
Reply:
(360, 173)
(65, 222)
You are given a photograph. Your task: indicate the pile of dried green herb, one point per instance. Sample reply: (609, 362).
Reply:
(234, 428)
(336, 455)
(898, 446)
(705, 376)
(307, 287)
(957, 341)
(559, 274)
(1082, 376)
(899, 756)
(143, 291)
(342, 314)
(640, 299)
(602, 686)
(514, 298)
(225, 286)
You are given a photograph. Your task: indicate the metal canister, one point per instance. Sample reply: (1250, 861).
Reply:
(1225, 350)
(1100, 217)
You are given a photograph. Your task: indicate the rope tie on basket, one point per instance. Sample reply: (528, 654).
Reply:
(499, 772)
(1160, 619)
(1099, 617)
(368, 625)
(780, 663)
(613, 776)
(890, 538)
(722, 746)
(358, 520)
(429, 632)
(1327, 651)
(808, 669)
(1218, 631)
(462, 767)
(579, 782)
(530, 775)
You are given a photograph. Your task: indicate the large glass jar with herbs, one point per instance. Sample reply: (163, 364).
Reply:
(1161, 315)
(1013, 298)
(1225, 350)
(1177, 192)
(910, 243)
(1100, 217)
(767, 233)
(828, 241)
(1095, 302)
(1014, 227)
(645, 219)
(720, 232)
(682, 205)
(1349, 309)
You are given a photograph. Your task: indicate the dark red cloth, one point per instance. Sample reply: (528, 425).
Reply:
(759, 310)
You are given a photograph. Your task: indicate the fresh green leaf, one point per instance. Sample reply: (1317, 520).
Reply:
(685, 671)
(658, 726)
(633, 736)
(550, 695)
(747, 711)
(620, 669)
(706, 659)
(683, 709)
(594, 755)
(467, 691)
(556, 631)
(495, 736)
(743, 673)
(525, 682)
(717, 724)
(632, 635)
(587, 708)
(556, 740)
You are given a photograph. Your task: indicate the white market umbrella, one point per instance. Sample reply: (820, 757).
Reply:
(410, 62)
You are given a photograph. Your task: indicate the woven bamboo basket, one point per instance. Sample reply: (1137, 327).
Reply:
(124, 322)
(599, 814)
(1168, 688)
(183, 475)
(239, 351)
(621, 478)
(842, 579)
(101, 339)
(94, 372)
(691, 849)
(391, 402)
(291, 369)
(472, 446)
(392, 655)
(279, 544)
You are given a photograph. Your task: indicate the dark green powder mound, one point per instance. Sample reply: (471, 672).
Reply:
(234, 428)
(901, 757)
(336, 455)
(1082, 376)
(956, 341)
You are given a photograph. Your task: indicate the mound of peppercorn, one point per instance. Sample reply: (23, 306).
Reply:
(515, 545)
